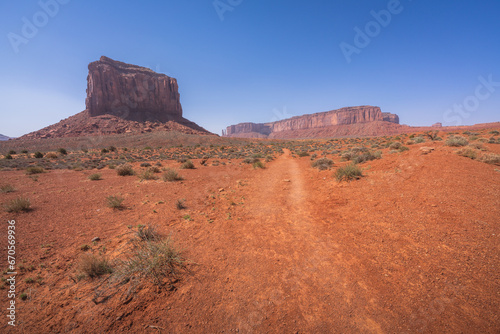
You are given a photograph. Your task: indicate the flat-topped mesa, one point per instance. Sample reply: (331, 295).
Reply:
(131, 92)
(343, 116)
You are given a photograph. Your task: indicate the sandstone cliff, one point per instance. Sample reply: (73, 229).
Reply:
(313, 124)
(131, 92)
(124, 98)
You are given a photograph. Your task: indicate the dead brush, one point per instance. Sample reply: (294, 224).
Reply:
(158, 260)
(147, 233)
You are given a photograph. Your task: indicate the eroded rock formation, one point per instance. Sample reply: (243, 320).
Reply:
(124, 98)
(131, 92)
(319, 121)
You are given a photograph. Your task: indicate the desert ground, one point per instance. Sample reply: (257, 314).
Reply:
(256, 238)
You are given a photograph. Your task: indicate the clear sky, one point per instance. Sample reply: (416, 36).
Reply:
(241, 60)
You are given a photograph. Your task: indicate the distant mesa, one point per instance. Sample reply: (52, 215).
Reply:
(2, 137)
(355, 121)
(124, 98)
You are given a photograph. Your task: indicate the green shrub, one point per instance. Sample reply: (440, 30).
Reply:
(8, 156)
(323, 163)
(348, 173)
(94, 177)
(125, 170)
(171, 175)
(62, 151)
(456, 141)
(418, 140)
(93, 266)
(38, 155)
(115, 202)
(18, 204)
(188, 165)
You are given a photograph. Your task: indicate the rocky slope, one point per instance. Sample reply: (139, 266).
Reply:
(330, 123)
(124, 98)
(2, 137)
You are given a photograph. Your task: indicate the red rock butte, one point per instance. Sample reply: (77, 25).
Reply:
(330, 123)
(124, 98)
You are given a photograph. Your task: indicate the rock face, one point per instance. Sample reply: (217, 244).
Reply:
(319, 121)
(124, 98)
(131, 92)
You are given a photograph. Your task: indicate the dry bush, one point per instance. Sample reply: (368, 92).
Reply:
(93, 266)
(94, 177)
(456, 141)
(468, 153)
(171, 175)
(323, 164)
(125, 170)
(18, 204)
(34, 170)
(115, 202)
(147, 233)
(348, 173)
(188, 165)
(491, 158)
(6, 188)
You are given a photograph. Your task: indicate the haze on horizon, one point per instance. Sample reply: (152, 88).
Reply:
(246, 61)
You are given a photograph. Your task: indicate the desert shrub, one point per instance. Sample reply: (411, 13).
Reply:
(323, 164)
(348, 173)
(24, 151)
(104, 150)
(468, 153)
(494, 133)
(258, 164)
(6, 188)
(171, 175)
(157, 260)
(8, 156)
(456, 141)
(477, 146)
(492, 158)
(112, 149)
(34, 170)
(187, 165)
(125, 170)
(94, 177)
(154, 169)
(147, 233)
(395, 146)
(51, 155)
(418, 140)
(18, 204)
(62, 151)
(346, 156)
(93, 266)
(367, 156)
(115, 202)
(180, 204)
(12, 152)
(148, 175)
(250, 160)
(303, 154)
(145, 164)
(38, 155)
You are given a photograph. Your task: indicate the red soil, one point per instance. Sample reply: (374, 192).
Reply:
(413, 246)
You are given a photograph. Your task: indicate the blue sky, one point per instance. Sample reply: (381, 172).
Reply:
(242, 60)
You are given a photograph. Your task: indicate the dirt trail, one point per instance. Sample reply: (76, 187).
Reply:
(295, 271)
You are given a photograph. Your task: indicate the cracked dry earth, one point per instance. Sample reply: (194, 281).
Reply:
(412, 247)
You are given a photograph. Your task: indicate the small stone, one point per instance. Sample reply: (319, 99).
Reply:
(96, 239)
